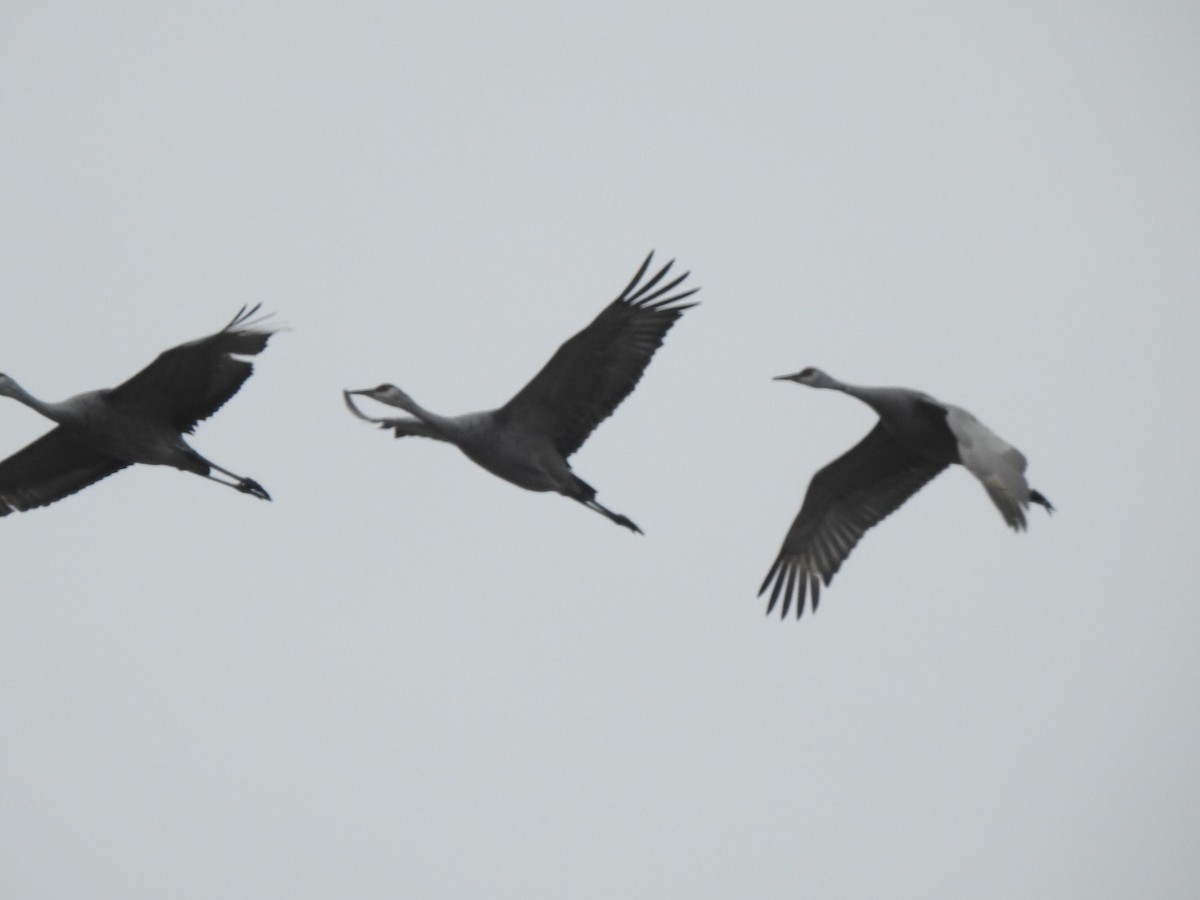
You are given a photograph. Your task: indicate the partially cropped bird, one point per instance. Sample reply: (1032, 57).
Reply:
(527, 440)
(915, 438)
(142, 420)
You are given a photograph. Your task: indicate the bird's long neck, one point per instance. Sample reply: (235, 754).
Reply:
(445, 428)
(882, 400)
(54, 411)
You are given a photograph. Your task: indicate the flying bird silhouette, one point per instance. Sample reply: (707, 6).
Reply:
(142, 420)
(527, 440)
(915, 438)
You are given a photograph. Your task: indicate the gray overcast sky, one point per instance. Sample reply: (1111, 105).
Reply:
(405, 677)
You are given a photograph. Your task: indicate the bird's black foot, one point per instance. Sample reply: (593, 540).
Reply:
(250, 486)
(628, 523)
(623, 521)
(1036, 497)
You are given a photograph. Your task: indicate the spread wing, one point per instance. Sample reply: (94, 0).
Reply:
(845, 498)
(590, 374)
(188, 383)
(52, 467)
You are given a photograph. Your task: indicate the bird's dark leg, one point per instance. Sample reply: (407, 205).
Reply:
(245, 485)
(616, 517)
(584, 493)
(250, 486)
(1036, 497)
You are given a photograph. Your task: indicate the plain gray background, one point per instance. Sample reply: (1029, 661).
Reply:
(405, 677)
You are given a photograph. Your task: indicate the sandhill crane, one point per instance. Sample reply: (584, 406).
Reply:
(915, 438)
(527, 440)
(142, 420)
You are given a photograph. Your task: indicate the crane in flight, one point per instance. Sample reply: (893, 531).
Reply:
(527, 440)
(915, 438)
(142, 420)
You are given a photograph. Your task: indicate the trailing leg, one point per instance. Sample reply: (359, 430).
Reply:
(584, 493)
(239, 483)
(616, 517)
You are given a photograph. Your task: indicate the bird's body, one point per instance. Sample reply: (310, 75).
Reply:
(521, 456)
(142, 420)
(524, 458)
(915, 438)
(94, 420)
(527, 440)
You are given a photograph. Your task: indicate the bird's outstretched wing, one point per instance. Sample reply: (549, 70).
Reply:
(590, 374)
(854, 492)
(188, 383)
(52, 467)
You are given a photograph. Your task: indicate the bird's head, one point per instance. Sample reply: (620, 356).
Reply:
(385, 393)
(811, 376)
(8, 387)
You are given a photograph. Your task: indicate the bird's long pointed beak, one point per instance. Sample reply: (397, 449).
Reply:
(350, 403)
(791, 377)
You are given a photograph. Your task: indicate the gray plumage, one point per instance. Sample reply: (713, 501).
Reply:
(142, 420)
(915, 438)
(527, 440)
